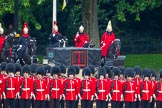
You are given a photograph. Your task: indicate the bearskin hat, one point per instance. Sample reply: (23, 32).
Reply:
(77, 69)
(108, 70)
(146, 72)
(47, 68)
(10, 68)
(55, 70)
(18, 67)
(137, 70)
(86, 71)
(63, 68)
(26, 69)
(101, 71)
(3, 66)
(115, 71)
(92, 68)
(153, 73)
(71, 70)
(33, 67)
(40, 70)
(129, 72)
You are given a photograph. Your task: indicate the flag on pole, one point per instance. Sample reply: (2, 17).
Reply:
(64, 4)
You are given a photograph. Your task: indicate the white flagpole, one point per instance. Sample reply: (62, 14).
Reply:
(54, 11)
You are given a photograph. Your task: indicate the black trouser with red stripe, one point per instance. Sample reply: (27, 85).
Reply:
(101, 104)
(55, 103)
(10, 103)
(17, 103)
(115, 104)
(70, 104)
(158, 104)
(145, 104)
(86, 104)
(129, 104)
(152, 104)
(40, 104)
(137, 103)
(62, 103)
(25, 103)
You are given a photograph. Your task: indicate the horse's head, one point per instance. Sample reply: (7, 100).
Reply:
(117, 44)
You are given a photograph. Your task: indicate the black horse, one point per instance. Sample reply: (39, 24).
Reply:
(114, 49)
(113, 52)
(6, 51)
(29, 52)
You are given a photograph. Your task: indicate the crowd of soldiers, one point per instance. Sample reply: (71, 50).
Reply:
(48, 86)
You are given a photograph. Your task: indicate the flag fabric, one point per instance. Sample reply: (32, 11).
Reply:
(64, 4)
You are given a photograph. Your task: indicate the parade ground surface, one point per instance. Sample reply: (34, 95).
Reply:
(143, 60)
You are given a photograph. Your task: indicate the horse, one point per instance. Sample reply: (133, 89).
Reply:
(29, 52)
(7, 48)
(114, 49)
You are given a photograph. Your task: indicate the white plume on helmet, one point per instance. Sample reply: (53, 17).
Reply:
(1, 29)
(109, 27)
(81, 29)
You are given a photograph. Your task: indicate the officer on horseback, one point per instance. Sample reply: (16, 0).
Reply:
(107, 38)
(24, 42)
(2, 40)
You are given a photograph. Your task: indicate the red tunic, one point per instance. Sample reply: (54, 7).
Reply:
(137, 83)
(106, 41)
(71, 89)
(80, 39)
(27, 87)
(129, 91)
(159, 91)
(2, 82)
(41, 90)
(62, 80)
(117, 90)
(10, 87)
(146, 90)
(2, 41)
(93, 80)
(86, 90)
(102, 89)
(55, 89)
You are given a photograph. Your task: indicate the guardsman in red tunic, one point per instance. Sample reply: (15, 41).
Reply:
(146, 89)
(10, 86)
(93, 80)
(3, 76)
(63, 79)
(102, 92)
(137, 80)
(116, 89)
(27, 87)
(2, 84)
(129, 91)
(48, 77)
(122, 80)
(33, 68)
(18, 78)
(108, 82)
(153, 85)
(107, 38)
(158, 92)
(2, 38)
(70, 88)
(40, 89)
(86, 90)
(78, 80)
(81, 38)
(55, 88)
